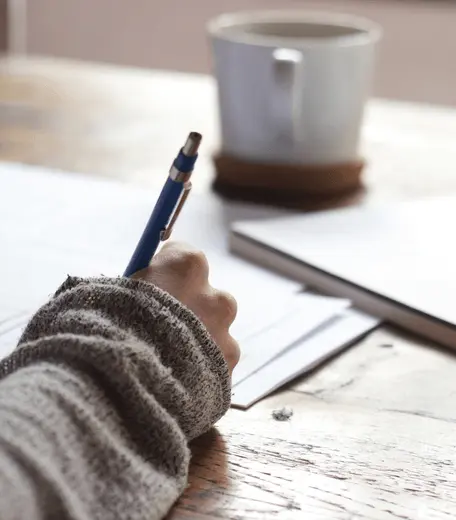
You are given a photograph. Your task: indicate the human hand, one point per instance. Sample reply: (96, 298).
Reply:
(183, 272)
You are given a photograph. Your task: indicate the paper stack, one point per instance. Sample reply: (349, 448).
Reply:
(60, 223)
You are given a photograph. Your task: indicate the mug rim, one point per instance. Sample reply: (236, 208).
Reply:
(368, 30)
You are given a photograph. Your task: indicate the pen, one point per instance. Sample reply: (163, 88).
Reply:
(168, 206)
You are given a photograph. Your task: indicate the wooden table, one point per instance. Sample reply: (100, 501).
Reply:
(373, 433)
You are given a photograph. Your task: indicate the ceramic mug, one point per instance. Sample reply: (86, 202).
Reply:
(292, 85)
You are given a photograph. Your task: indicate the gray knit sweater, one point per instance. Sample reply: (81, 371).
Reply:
(109, 382)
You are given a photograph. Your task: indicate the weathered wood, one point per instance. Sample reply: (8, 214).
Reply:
(372, 437)
(373, 432)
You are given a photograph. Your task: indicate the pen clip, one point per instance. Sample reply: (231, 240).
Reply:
(166, 233)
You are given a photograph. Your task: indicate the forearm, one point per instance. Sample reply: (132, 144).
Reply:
(110, 381)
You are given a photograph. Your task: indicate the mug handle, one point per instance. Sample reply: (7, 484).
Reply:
(285, 101)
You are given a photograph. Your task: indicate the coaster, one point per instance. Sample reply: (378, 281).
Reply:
(288, 185)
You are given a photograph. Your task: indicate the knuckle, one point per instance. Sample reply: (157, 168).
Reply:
(224, 305)
(195, 261)
(228, 304)
(190, 263)
(233, 353)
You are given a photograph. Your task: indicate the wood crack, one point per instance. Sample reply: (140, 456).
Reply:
(419, 413)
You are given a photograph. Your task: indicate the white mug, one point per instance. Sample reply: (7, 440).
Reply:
(292, 85)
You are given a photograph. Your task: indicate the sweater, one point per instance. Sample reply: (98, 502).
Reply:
(110, 380)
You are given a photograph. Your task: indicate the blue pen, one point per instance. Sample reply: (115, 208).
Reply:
(168, 206)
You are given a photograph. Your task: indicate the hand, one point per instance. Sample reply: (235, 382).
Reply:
(183, 272)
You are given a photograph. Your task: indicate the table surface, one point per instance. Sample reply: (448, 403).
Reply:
(373, 432)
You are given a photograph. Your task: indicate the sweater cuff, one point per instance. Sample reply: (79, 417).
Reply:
(122, 309)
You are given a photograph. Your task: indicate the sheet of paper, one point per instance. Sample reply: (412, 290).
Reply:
(303, 356)
(56, 224)
(59, 224)
(10, 332)
(292, 324)
(5, 315)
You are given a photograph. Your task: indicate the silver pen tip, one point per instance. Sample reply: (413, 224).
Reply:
(190, 148)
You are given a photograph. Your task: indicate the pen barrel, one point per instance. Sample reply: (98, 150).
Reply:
(161, 215)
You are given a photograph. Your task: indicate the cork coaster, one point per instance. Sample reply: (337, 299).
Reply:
(288, 185)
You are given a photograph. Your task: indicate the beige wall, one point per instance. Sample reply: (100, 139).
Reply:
(417, 59)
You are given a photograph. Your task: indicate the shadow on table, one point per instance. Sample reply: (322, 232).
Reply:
(208, 480)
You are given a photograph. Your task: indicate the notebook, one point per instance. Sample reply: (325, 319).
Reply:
(395, 261)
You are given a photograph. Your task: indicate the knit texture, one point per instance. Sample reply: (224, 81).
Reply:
(109, 382)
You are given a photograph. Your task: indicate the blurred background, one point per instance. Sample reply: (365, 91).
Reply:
(417, 59)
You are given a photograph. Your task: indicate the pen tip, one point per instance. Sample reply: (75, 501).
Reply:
(190, 148)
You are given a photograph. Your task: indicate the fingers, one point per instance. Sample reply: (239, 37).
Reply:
(231, 352)
(188, 268)
(183, 261)
(183, 272)
(218, 311)
(220, 305)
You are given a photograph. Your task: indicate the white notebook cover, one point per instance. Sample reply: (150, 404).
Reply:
(398, 261)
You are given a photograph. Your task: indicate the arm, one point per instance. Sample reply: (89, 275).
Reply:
(110, 380)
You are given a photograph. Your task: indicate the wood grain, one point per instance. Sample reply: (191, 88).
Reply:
(372, 437)
(126, 123)
(373, 432)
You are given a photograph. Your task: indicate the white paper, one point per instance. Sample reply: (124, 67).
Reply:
(398, 252)
(10, 332)
(304, 356)
(54, 224)
(292, 324)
